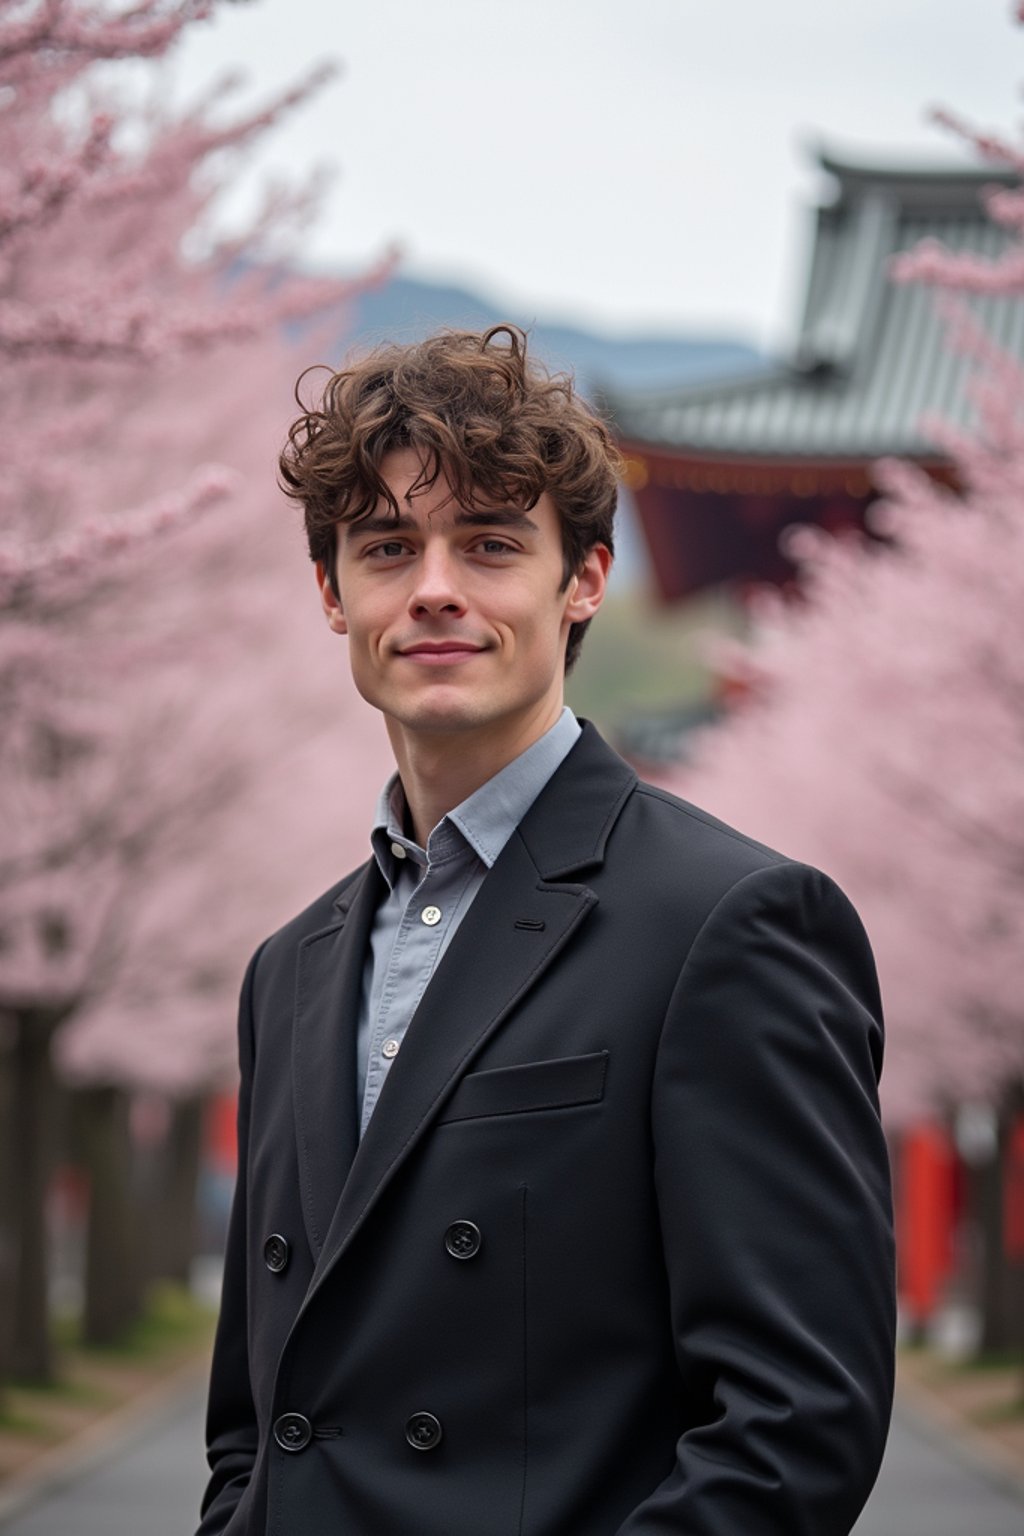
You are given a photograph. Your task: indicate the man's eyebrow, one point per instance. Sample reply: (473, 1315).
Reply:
(494, 517)
(380, 522)
(466, 517)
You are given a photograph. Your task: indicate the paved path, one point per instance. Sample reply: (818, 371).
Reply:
(151, 1487)
(926, 1489)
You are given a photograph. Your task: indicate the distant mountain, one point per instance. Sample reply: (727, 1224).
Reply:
(406, 309)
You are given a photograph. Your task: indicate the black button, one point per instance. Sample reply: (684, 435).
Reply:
(423, 1431)
(462, 1240)
(293, 1431)
(276, 1253)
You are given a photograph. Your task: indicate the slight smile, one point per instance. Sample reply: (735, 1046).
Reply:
(442, 653)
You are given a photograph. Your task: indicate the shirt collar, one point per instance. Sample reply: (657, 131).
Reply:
(486, 819)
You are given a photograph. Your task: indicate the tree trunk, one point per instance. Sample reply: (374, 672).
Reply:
(1001, 1278)
(8, 1244)
(33, 1103)
(1012, 1129)
(176, 1225)
(994, 1322)
(113, 1262)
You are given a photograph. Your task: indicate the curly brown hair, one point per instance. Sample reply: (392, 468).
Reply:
(495, 424)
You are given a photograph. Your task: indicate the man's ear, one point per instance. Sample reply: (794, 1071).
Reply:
(587, 587)
(330, 601)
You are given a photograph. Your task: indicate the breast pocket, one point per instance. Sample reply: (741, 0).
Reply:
(534, 1085)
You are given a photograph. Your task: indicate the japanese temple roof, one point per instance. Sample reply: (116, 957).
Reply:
(871, 359)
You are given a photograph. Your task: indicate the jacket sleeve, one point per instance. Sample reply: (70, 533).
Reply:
(773, 1190)
(231, 1429)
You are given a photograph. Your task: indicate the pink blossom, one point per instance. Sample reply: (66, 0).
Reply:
(881, 736)
(181, 758)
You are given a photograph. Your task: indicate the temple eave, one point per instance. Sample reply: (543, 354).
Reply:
(805, 475)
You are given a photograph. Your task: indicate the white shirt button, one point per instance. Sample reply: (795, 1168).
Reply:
(430, 916)
(398, 851)
(390, 1048)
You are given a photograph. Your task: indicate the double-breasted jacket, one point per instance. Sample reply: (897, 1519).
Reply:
(613, 1257)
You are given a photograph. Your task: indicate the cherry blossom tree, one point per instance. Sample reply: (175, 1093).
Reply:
(148, 670)
(882, 730)
(881, 739)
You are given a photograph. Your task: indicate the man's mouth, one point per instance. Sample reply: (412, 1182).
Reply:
(440, 653)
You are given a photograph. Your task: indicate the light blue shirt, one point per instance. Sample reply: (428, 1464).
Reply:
(430, 890)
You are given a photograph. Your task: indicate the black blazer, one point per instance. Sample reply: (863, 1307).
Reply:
(614, 1255)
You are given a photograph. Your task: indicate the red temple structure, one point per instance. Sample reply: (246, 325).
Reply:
(718, 471)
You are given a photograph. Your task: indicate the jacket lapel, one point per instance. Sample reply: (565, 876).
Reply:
(327, 1000)
(522, 917)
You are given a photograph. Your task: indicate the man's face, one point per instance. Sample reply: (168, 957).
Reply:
(456, 619)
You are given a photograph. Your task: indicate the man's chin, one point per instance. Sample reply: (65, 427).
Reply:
(446, 719)
(442, 711)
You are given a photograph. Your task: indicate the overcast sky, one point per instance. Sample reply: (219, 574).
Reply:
(614, 162)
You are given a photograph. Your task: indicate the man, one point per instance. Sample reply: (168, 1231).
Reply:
(563, 1203)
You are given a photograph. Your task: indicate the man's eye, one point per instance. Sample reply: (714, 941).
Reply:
(495, 547)
(387, 551)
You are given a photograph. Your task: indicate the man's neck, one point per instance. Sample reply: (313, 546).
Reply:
(439, 771)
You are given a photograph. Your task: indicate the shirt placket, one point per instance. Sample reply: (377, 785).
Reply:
(425, 922)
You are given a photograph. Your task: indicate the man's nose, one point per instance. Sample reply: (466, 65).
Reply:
(437, 588)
